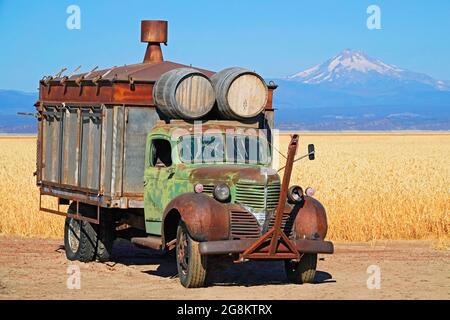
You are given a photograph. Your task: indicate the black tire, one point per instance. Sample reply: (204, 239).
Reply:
(303, 271)
(106, 237)
(79, 240)
(84, 241)
(191, 264)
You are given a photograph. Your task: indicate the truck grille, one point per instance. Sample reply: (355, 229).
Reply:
(243, 225)
(208, 189)
(252, 195)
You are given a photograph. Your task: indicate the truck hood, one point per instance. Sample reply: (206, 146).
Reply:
(233, 174)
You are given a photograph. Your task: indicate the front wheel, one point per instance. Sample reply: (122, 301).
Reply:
(190, 263)
(303, 271)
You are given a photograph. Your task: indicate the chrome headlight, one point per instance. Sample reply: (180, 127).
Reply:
(295, 194)
(221, 192)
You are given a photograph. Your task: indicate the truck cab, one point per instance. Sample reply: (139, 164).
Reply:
(224, 162)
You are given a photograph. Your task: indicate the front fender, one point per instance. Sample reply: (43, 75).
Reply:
(310, 220)
(206, 219)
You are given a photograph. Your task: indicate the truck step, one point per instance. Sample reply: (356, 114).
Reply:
(149, 242)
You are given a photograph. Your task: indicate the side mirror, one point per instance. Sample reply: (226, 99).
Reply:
(311, 152)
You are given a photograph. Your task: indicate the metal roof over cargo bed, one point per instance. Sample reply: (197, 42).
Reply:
(129, 84)
(139, 72)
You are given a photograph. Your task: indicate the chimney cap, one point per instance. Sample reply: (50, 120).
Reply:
(154, 31)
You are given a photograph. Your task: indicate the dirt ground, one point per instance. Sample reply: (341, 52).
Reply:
(37, 269)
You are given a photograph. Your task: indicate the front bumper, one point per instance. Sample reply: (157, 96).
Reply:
(239, 246)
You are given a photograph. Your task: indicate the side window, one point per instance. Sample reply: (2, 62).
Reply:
(160, 153)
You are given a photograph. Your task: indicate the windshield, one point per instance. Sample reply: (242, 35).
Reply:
(224, 148)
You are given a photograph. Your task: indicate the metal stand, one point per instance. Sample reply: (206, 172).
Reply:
(275, 244)
(77, 214)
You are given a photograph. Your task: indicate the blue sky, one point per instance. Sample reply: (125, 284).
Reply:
(275, 38)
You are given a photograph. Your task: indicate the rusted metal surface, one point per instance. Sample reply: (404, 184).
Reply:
(149, 242)
(139, 94)
(234, 172)
(276, 236)
(154, 32)
(239, 246)
(271, 86)
(153, 53)
(89, 94)
(310, 220)
(75, 196)
(243, 225)
(131, 84)
(176, 128)
(205, 218)
(77, 215)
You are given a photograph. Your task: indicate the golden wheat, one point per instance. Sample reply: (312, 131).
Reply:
(19, 196)
(379, 186)
(374, 186)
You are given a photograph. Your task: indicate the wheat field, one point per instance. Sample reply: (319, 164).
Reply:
(379, 186)
(374, 186)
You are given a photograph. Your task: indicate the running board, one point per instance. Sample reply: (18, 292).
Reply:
(153, 242)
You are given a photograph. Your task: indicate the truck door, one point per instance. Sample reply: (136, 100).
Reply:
(158, 182)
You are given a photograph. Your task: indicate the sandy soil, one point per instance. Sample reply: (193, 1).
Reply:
(37, 269)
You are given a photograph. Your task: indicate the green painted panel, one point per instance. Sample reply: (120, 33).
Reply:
(153, 227)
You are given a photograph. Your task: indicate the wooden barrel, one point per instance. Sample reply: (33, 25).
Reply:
(240, 93)
(184, 93)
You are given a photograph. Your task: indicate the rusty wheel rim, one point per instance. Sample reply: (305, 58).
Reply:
(183, 253)
(74, 235)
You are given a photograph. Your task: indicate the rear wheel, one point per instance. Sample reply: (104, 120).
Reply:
(303, 271)
(190, 263)
(79, 240)
(84, 241)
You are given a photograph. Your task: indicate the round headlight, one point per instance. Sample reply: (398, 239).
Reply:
(295, 194)
(221, 192)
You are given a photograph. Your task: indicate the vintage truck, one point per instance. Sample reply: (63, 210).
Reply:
(177, 159)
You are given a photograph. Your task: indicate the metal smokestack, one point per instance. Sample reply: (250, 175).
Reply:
(154, 32)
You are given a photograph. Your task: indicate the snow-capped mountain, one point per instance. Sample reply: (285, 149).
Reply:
(353, 91)
(352, 67)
